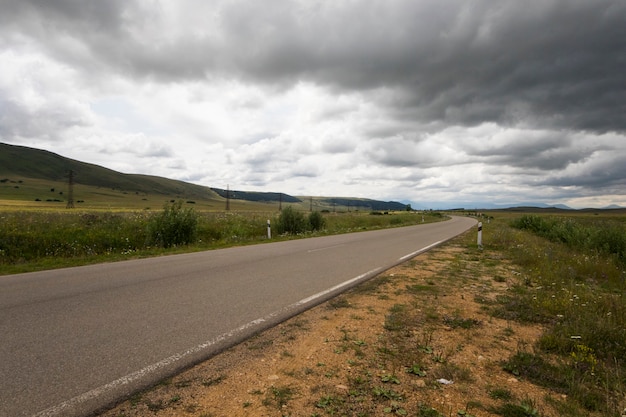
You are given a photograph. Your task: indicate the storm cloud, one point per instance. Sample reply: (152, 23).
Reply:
(313, 97)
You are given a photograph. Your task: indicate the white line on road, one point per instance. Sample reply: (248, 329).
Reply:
(336, 287)
(417, 252)
(60, 409)
(125, 380)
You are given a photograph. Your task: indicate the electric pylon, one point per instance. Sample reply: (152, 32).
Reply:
(70, 191)
(227, 197)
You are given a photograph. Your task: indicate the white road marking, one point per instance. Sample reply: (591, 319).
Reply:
(417, 252)
(59, 409)
(336, 287)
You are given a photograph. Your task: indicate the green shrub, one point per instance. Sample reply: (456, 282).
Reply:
(316, 221)
(291, 221)
(173, 226)
(607, 237)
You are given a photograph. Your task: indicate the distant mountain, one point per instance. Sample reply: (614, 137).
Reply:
(481, 205)
(363, 204)
(562, 207)
(256, 196)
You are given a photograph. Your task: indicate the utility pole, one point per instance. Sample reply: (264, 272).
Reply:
(70, 191)
(227, 197)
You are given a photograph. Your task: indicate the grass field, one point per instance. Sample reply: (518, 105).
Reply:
(48, 237)
(18, 192)
(572, 280)
(38, 194)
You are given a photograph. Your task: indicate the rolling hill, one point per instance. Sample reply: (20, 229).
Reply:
(29, 174)
(33, 163)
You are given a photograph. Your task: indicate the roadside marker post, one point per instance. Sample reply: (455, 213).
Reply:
(269, 229)
(480, 234)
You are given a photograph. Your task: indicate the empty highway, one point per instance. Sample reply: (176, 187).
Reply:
(77, 339)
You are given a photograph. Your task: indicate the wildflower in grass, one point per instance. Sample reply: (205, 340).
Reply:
(584, 358)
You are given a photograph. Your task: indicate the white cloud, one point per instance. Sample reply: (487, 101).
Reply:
(408, 100)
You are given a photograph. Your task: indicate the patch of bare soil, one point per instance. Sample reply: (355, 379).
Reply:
(417, 340)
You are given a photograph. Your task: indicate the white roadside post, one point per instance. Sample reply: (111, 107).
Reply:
(269, 229)
(480, 234)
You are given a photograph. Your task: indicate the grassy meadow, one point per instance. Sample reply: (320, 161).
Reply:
(51, 238)
(571, 279)
(20, 193)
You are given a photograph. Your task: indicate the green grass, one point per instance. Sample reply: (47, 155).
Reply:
(455, 322)
(45, 239)
(23, 193)
(500, 394)
(571, 279)
(278, 397)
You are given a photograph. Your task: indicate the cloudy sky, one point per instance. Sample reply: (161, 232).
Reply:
(411, 100)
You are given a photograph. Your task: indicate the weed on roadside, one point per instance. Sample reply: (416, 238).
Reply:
(338, 303)
(213, 381)
(278, 397)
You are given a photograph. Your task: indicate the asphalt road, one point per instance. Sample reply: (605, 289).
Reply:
(78, 339)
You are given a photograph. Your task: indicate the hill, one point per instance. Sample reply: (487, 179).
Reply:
(29, 175)
(33, 163)
(256, 196)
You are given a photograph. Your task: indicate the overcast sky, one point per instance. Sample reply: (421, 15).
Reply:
(451, 101)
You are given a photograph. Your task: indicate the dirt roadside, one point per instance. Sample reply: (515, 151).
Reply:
(417, 340)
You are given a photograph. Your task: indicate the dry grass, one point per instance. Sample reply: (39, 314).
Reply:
(382, 349)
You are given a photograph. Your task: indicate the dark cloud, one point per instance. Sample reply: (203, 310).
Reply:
(605, 174)
(462, 63)
(60, 15)
(545, 151)
(427, 93)
(554, 63)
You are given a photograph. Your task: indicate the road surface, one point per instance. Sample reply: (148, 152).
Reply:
(75, 340)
